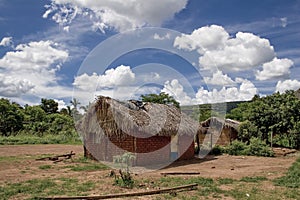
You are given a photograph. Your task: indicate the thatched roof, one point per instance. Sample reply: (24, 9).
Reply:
(215, 122)
(111, 117)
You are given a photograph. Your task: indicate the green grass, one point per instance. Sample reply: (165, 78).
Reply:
(30, 139)
(88, 167)
(292, 177)
(254, 179)
(45, 167)
(46, 187)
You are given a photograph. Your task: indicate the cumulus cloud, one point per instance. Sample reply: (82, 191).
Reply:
(120, 76)
(219, 78)
(245, 91)
(218, 50)
(175, 89)
(118, 14)
(277, 68)
(282, 86)
(6, 41)
(12, 87)
(203, 39)
(31, 68)
(34, 56)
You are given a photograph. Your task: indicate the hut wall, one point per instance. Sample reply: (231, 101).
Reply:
(153, 150)
(186, 147)
(226, 137)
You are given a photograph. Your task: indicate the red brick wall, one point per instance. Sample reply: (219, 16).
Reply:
(186, 147)
(153, 150)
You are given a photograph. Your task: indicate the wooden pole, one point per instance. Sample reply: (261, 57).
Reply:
(109, 196)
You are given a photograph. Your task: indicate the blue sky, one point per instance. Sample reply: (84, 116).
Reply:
(197, 51)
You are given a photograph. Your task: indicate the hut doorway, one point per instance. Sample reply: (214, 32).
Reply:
(174, 147)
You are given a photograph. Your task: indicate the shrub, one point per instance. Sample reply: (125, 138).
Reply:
(258, 147)
(236, 148)
(217, 150)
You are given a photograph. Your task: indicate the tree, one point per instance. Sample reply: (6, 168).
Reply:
(276, 115)
(49, 106)
(161, 98)
(11, 117)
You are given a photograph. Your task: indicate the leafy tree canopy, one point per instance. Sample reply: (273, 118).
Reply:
(161, 98)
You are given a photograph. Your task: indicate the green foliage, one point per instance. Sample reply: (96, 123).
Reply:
(161, 98)
(125, 179)
(217, 150)
(256, 147)
(236, 148)
(49, 106)
(88, 167)
(278, 114)
(11, 117)
(40, 124)
(246, 130)
(292, 177)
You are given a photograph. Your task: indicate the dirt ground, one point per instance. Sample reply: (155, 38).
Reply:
(223, 166)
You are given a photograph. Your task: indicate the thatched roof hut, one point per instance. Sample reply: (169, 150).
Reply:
(136, 122)
(218, 131)
(116, 118)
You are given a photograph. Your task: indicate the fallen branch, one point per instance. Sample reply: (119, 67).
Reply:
(109, 196)
(56, 158)
(179, 173)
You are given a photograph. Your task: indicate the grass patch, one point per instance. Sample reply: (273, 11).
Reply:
(88, 167)
(47, 139)
(45, 167)
(225, 181)
(292, 177)
(254, 179)
(46, 187)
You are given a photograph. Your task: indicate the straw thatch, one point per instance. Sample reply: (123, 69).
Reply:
(218, 123)
(115, 118)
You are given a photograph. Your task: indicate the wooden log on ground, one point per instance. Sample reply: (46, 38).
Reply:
(120, 195)
(56, 158)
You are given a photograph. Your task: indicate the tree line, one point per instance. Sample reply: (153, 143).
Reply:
(37, 120)
(274, 119)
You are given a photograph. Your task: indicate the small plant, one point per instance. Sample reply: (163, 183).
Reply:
(216, 150)
(126, 179)
(236, 148)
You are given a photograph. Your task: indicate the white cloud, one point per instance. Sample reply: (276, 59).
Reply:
(282, 86)
(245, 51)
(175, 89)
(6, 41)
(218, 50)
(245, 91)
(120, 76)
(164, 37)
(31, 69)
(12, 87)
(118, 14)
(277, 68)
(203, 39)
(219, 78)
(61, 104)
(34, 56)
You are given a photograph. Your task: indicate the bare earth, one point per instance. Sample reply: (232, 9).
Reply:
(26, 167)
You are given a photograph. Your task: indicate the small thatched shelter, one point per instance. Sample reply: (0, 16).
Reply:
(217, 131)
(155, 133)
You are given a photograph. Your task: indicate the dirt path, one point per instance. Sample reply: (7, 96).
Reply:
(224, 166)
